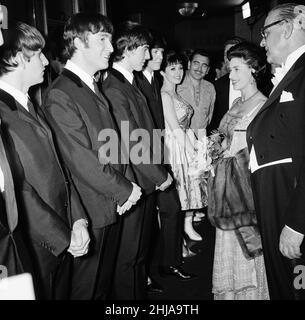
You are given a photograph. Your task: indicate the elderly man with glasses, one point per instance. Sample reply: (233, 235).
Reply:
(276, 140)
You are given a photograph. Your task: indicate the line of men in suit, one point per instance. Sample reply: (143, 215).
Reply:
(84, 223)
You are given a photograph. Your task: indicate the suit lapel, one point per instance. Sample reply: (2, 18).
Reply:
(289, 77)
(98, 96)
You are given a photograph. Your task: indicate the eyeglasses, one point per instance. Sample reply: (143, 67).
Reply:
(262, 31)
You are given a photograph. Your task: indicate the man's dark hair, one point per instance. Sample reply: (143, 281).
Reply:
(234, 41)
(19, 37)
(200, 52)
(158, 41)
(129, 36)
(79, 26)
(253, 55)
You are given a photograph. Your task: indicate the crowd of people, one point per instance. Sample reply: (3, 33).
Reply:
(131, 141)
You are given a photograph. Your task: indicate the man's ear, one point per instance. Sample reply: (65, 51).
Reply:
(78, 43)
(288, 30)
(189, 65)
(19, 59)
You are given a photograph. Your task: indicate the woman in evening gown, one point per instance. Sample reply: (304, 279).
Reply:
(183, 151)
(239, 270)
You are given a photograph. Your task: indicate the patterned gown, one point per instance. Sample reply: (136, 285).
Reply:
(235, 277)
(188, 176)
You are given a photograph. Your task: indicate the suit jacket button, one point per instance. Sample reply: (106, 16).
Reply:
(251, 138)
(261, 156)
(272, 136)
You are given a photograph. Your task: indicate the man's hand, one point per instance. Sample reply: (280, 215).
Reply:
(135, 194)
(166, 183)
(132, 200)
(290, 242)
(79, 239)
(125, 207)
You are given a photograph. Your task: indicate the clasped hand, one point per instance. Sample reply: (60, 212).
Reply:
(79, 239)
(166, 183)
(290, 242)
(132, 200)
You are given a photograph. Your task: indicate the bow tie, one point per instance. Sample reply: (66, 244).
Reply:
(279, 74)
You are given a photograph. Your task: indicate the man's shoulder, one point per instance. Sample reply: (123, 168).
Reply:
(208, 85)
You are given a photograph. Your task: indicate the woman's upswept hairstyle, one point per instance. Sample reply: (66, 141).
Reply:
(172, 57)
(19, 37)
(129, 36)
(79, 26)
(253, 55)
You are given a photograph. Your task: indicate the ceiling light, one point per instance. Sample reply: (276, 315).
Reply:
(187, 8)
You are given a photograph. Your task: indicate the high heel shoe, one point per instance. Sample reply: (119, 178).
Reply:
(189, 229)
(186, 251)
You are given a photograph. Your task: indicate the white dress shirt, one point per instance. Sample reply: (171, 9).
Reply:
(128, 75)
(16, 94)
(83, 75)
(148, 75)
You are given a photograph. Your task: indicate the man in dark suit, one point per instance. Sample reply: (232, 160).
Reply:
(128, 105)
(78, 114)
(276, 140)
(13, 254)
(168, 202)
(48, 208)
(225, 94)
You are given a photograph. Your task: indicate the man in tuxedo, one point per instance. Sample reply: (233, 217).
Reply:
(48, 207)
(78, 113)
(225, 93)
(276, 140)
(128, 105)
(168, 202)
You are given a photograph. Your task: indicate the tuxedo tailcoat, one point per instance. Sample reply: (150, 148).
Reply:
(129, 104)
(77, 115)
(44, 199)
(277, 133)
(167, 201)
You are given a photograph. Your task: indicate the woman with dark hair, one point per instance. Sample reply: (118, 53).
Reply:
(239, 270)
(182, 147)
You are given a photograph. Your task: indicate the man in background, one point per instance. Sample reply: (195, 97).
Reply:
(197, 91)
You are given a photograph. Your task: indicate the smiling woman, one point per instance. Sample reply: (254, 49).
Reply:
(239, 271)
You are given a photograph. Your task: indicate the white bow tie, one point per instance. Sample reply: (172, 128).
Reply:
(279, 74)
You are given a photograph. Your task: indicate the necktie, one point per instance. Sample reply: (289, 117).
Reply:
(96, 89)
(31, 108)
(134, 83)
(154, 87)
(279, 74)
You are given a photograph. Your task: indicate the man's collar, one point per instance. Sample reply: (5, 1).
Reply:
(293, 57)
(83, 75)
(128, 75)
(19, 96)
(148, 75)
